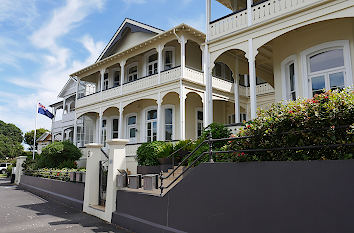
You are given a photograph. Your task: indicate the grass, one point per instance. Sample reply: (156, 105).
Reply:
(3, 175)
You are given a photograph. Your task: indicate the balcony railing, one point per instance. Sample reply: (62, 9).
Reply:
(260, 13)
(190, 74)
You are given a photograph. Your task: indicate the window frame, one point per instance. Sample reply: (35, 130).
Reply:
(198, 109)
(146, 121)
(286, 93)
(129, 126)
(347, 69)
(112, 128)
(128, 67)
(147, 55)
(164, 107)
(173, 64)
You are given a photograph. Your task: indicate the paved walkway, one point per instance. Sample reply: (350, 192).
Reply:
(21, 211)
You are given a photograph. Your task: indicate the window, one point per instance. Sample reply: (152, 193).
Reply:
(104, 132)
(168, 59)
(131, 128)
(168, 124)
(151, 125)
(326, 66)
(289, 78)
(105, 81)
(115, 125)
(199, 123)
(232, 120)
(152, 64)
(116, 79)
(132, 73)
(222, 71)
(326, 70)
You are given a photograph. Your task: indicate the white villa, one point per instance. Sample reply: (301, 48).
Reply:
(149, 84)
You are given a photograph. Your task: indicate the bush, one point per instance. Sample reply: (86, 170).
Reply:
(58, 155)
(322, 120)
(149, 152)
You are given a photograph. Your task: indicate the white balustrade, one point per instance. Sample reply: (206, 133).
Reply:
(111, 93)
(170, 75)
(194, 76)
(87, 100)
(68, 116)
(222, 85)
(140, 84)
(260, 13)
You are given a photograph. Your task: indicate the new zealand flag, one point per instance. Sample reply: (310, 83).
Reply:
(42, 110)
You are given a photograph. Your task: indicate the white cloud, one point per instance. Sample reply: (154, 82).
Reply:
(55, 63)
(198, 22)
(19, 12)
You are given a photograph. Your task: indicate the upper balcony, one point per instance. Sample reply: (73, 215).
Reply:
(190, 74)
(262, 11)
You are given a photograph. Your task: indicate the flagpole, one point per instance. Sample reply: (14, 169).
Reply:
(35, 130)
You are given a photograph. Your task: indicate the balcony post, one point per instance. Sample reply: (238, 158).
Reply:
(77, 88)
(159, 61)
(183, 42)
(120, 127)
(236, 92)
(75, 131)
(159, 118)
(252, 77)
(100, 128)
(249, 12)
(122, 75)
(102, 78)
(182, 111)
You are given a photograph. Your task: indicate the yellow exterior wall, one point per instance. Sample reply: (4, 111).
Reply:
(193, 102)
(307, 37)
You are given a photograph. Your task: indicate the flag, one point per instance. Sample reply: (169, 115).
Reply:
(42, 110)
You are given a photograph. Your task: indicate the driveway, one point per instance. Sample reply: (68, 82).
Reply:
(22, 211)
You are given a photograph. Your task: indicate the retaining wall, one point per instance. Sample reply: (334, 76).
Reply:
(277, 197)
(67, 192)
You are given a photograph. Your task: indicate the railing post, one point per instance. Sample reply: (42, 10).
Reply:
(161, 183)
(210, 142)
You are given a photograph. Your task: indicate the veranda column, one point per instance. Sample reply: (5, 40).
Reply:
(102, 79)
(252, 78)
(159, 61)
(159, 118)
(207, 70)
(183, 42)
(182, 111)
(100, 128)
(236, 92)
(122, 75)
(75, 131)
(120, 128)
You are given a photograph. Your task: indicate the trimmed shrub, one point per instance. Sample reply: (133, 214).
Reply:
(149, 152)
(58, 155)
(323, 120)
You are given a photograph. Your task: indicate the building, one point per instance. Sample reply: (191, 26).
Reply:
(148, 84)
(43, 141)
(297, 46)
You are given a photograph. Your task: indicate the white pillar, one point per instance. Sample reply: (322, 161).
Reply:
(75, 131)
(159, 61)
(117, 161)
(249, 12)
(182, 111)
(122, 75)
(94, 156)
(120, 128)
(159, 118)
(102, 78)
(100, 128)
(183, 42)
(202, 48)
(19, 169)
(77, 89)
(252, 77)
(236, 92)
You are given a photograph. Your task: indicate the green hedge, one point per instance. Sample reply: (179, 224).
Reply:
(312, 122)
(149, 152)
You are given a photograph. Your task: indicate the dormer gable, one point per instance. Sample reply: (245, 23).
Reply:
(69, 89)
(129, 34)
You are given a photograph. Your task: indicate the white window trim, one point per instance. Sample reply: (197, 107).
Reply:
(348, 81)
(126, 125)
(145, 120)
(120, 75)
(172, 49)
(146, 59)
(111, 128)
(164, 107)
(284, 78)
(127, 70)
(198, 109)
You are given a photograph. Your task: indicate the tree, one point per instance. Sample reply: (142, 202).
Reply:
(10, 140)
(29, 136)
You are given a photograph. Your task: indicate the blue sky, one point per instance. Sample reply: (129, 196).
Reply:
(43, 41)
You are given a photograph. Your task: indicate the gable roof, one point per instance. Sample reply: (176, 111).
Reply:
(68, 85)
(44, 137)
(134, 26)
